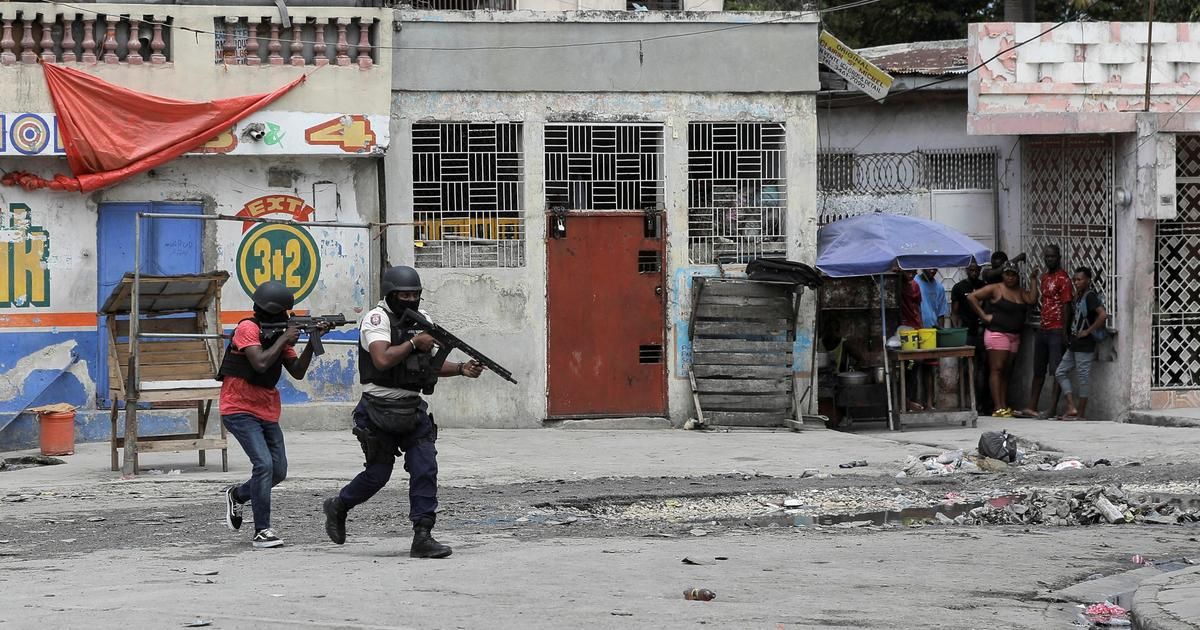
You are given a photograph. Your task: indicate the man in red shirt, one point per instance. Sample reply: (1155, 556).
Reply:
(253, 363)
(910, 315)
(1049, 341)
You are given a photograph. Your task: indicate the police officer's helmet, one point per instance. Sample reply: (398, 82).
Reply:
(400, 279)
(273, 297)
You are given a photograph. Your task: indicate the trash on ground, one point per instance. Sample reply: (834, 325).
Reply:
(695, 562)
(199, 623)
(698, 532)
(210, 572)
(1106, 614)
(699, 595)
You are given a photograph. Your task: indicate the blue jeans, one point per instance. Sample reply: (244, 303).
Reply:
(263, 443)
(420, 460)
(1081, 364)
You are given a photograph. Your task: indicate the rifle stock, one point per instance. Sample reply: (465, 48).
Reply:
(447, 342)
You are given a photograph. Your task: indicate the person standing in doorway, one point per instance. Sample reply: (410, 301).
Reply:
(250, 406)
(964, 316)
(1050, 339)
(395, 368)
(1087, 316)
(1009, 305)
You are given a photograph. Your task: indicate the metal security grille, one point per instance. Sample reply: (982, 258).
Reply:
(1176, 323)
(1067, 201)
(604, 166)
(467, 198)
(737, 191)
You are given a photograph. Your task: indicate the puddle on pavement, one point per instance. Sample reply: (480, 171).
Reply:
(904, 517)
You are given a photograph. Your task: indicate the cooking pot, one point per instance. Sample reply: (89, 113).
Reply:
(852, 378)
(878, 373)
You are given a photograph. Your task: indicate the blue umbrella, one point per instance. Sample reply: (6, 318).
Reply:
(873, 244)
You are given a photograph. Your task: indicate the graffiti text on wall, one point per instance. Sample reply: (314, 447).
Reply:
(24, 249)
(272, 251)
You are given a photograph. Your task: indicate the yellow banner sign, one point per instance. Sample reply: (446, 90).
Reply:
(852, 67)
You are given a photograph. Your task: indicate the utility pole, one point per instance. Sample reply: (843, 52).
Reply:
(1149, 37)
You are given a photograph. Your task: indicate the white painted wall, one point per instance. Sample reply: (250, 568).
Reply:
(503, 311)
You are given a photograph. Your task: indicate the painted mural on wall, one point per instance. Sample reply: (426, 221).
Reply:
(262, 133)
(29, 134)
(24, 250)
(269, 251)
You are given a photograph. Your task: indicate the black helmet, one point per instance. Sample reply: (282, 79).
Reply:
(399, 279)
(273, 298)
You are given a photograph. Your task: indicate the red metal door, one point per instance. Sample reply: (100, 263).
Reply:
(606, 312)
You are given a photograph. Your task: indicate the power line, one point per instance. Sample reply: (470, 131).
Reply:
(858, 98)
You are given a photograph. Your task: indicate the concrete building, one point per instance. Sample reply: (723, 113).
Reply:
(480, 129)
(1111, 172)
(513, 132)
(314, 156)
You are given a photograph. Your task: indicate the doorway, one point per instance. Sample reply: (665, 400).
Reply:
(606, 312)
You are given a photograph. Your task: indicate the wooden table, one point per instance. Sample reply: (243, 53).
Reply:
(965, 411)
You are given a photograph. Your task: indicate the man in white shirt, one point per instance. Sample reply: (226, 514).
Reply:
(395, 366)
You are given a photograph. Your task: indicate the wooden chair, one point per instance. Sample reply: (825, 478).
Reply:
(173, 372)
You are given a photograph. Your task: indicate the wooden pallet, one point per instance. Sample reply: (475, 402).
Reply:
(742, 336)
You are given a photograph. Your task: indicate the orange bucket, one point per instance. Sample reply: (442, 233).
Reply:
(57, 434)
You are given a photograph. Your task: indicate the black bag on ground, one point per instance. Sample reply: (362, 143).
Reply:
(781, 270)
(393, 415)
(998, 445)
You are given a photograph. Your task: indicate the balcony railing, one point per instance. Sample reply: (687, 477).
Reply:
(311, 41)
(69, 37)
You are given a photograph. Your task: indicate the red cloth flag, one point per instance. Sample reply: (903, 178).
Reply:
(111, 133)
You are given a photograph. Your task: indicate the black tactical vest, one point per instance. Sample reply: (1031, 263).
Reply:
(415, 373)
(238, 364)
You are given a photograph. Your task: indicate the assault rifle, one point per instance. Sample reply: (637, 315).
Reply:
(447, 342)
(309, 325)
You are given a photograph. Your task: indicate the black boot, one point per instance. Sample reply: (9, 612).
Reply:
(335, 520)
(423, 544)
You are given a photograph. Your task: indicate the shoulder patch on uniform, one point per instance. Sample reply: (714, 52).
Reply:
(375, 319)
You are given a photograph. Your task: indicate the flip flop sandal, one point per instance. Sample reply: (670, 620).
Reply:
(1003, 412)
(1021, 414)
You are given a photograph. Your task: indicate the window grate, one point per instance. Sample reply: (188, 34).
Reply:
(604, 167)
(737, 191)
(648, 261)
(467, 195)
(651, 353)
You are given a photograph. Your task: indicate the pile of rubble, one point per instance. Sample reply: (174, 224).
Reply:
(1099, 504)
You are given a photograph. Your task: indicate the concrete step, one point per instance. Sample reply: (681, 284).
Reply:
(1184, 417)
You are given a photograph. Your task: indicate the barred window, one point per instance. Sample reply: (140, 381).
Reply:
(604, 166)
(467, 196)
(737, 191)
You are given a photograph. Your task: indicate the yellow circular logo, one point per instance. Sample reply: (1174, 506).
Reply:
(287, 253)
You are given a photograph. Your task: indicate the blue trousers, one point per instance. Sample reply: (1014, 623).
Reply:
(420, 460)
(263, 443)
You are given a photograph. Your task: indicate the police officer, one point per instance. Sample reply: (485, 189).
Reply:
(261, 347)
(395, 368)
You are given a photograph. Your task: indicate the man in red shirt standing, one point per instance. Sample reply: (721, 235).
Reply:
(253, 363)
(1049, 341)
(910, 316)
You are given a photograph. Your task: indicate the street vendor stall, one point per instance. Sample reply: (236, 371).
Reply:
(873, 246)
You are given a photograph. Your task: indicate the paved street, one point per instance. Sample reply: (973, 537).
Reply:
(556, 528)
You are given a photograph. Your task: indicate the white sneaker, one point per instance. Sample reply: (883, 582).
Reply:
(266, 538)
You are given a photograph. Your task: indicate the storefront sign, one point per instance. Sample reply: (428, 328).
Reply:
(272, 251)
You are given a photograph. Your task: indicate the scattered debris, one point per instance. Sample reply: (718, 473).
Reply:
(204, 581)
(205, 572)
(694, 562)
(199, 623)
(96, 519)
(28, 461)
(1109, 504)
(699, 595)
(698, 532)
(1105, 614)
(620, 613)
(1067, 464)
(809, 472)
(858, 463)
